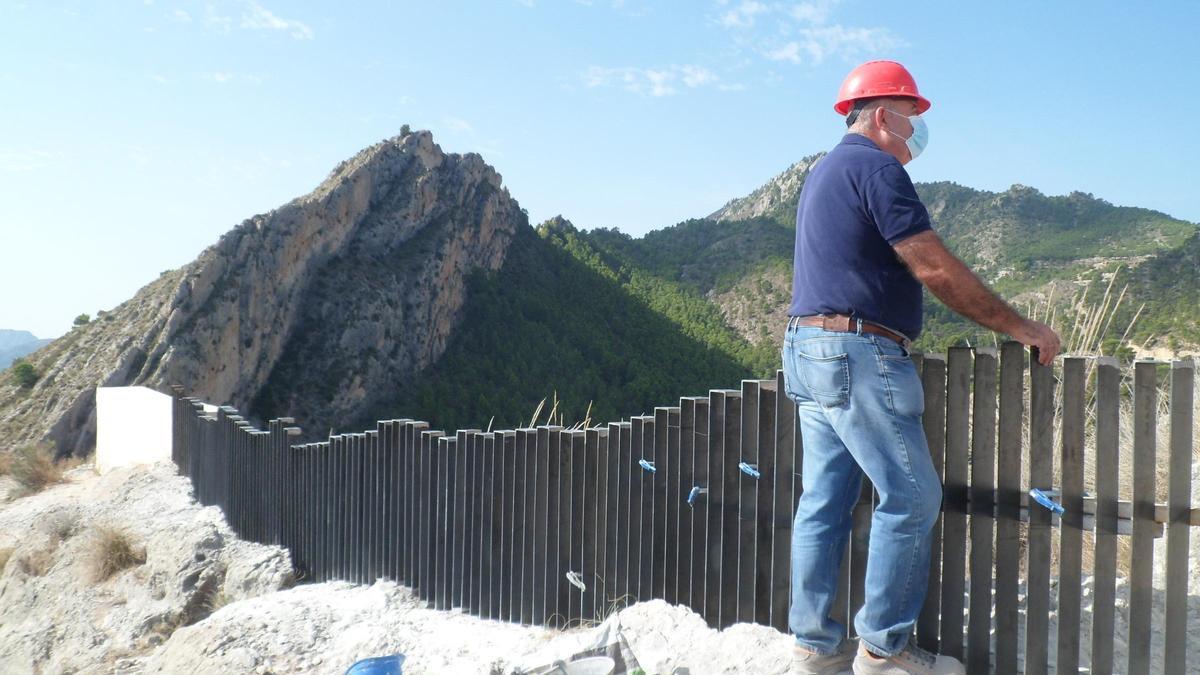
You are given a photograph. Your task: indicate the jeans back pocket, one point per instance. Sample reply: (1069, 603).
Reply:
(827, 378)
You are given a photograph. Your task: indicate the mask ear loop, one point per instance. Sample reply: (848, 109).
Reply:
(914, 127)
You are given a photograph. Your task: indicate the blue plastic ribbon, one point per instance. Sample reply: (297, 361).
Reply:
(695, 492)
(1044, 498)
(749, 470)
(647, 465)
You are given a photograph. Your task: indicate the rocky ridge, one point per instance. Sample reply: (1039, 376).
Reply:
(318, 309)
(776, 196)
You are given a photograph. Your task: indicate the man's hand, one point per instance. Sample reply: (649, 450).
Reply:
(1041, 336)
(956, 285)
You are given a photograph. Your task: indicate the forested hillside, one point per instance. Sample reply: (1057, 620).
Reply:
(568, 318)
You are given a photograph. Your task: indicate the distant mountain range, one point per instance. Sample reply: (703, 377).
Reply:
(410, 283)
(17, 343)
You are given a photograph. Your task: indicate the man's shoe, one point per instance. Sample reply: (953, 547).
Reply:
(911, 661)
(805, 662)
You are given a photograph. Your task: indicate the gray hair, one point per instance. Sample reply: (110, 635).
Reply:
(861, 116)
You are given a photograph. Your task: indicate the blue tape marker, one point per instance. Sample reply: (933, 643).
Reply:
(749, 469)
(1043, 497)
(649, 466)
(695, 492)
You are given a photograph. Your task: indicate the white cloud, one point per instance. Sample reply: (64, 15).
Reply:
(800, 32)
(215, 20)
(656, 82)
(695, 76)
(636, 8)
(815, 11)
(181, 16)
(742, 15)
(257, 17)
(815, 45)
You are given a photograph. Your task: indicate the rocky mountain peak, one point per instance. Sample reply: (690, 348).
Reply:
(557, 224)
(773, 197)
(317, 309)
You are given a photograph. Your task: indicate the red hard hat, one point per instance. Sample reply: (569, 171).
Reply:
(878, 78)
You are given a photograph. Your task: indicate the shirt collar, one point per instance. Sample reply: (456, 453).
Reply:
(859, 139)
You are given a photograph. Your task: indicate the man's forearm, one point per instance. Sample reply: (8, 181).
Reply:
(962, 291)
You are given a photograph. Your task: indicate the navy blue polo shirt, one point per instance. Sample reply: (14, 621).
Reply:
(857, 202)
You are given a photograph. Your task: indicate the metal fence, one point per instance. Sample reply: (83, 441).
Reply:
(694, 504)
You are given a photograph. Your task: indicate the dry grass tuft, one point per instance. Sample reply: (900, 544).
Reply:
(216, 600)
(5, 554)
(60, 527)
(113, 550)
(34, 468)
(39, 562)
(555, 418)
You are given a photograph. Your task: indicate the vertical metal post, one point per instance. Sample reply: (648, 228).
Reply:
(715, 501)
(983, 486)
(954, 516)
(1008, 510)
(784, 504)
(933, 381)
(1070, 557)
(1179, 504)
(746, 555)
(1041, 476)
(1141, 565)
(1108, 468)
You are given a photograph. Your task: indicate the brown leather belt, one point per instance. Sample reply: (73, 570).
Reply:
(843, 323)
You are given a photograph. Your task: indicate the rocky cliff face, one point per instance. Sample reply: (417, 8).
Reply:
(319, 309)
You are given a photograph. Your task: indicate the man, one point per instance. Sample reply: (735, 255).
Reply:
(864, 247)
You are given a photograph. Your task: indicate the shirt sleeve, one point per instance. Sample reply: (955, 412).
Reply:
(893, 204)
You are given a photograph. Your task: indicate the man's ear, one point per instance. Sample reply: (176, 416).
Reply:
(880, 116)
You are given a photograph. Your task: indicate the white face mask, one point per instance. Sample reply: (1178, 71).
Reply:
(920, 134)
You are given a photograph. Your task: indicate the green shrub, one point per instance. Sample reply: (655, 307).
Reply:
(83, 320)
(24, 374)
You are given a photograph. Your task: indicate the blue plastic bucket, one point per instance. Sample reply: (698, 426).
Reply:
(378, 665)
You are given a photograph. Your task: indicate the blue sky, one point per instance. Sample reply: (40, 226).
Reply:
(133, 133)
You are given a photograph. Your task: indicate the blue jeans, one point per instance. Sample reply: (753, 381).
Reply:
(860, 402)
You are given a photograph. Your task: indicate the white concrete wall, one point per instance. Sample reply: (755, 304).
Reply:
(133, 426)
